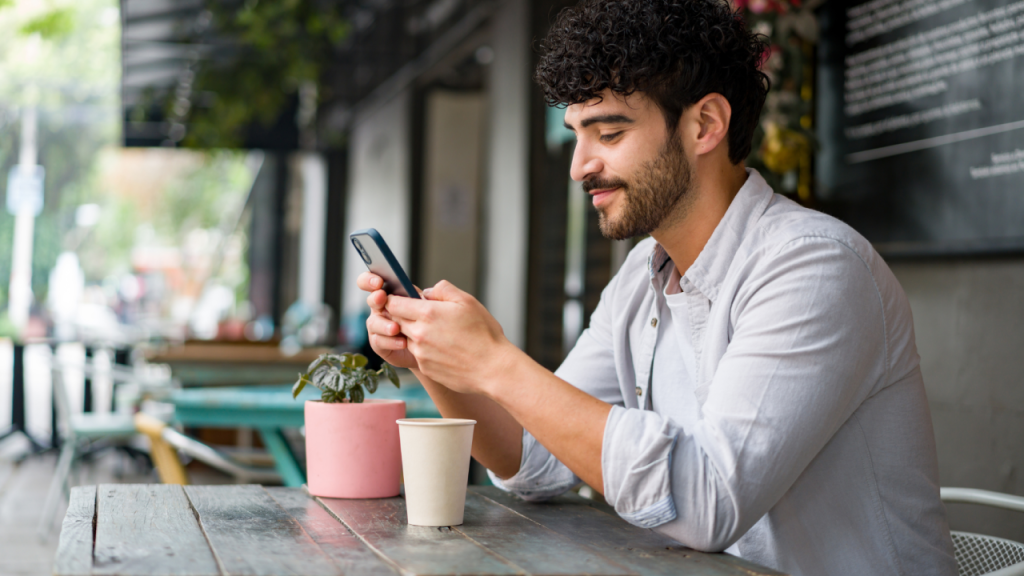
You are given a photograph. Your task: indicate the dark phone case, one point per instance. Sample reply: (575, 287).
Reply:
(383, 262)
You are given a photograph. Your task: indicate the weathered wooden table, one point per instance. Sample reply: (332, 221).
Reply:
(161, 529)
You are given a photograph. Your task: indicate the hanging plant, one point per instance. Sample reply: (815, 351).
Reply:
(784, 143)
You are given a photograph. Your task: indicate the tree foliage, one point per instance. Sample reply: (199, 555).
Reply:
(53, 25)
(61, 57)
(276, 47)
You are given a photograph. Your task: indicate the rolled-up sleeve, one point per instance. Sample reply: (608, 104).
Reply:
(636, 460)
(540, 474)
(808, 346)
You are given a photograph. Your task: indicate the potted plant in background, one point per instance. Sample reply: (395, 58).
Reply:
(352, 448)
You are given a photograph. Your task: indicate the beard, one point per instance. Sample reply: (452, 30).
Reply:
(653, 196)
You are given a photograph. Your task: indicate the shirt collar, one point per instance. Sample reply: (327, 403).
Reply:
(708, 271)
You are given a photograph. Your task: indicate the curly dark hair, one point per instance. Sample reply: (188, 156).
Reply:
(675, 51)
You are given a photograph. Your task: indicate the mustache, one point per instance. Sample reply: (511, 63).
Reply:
(600, 184)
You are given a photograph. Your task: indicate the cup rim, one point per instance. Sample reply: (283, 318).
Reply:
(427, 422)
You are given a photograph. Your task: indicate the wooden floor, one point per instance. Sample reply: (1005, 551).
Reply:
(24, 483)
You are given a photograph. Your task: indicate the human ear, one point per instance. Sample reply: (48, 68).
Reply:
(713, 114)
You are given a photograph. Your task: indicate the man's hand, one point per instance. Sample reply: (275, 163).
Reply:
(452, 337)
(460, 354)
(497, 438)
(384, 334)
(458, 344)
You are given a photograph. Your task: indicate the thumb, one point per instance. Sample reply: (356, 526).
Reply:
(443, 291)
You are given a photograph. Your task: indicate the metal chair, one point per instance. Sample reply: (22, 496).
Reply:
(979, 555)
(166, 442)
(77, 431)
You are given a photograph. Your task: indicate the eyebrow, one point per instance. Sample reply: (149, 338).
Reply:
(605, 119)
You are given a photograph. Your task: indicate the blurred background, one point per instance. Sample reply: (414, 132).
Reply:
(181, 177)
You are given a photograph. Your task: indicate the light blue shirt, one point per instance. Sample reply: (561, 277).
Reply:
(769, 404)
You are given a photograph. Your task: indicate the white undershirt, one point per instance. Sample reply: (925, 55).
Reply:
(671, 386)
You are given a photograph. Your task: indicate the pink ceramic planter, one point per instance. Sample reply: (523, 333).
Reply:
(352, 450)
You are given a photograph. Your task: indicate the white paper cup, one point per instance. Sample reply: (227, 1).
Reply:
(435, 463)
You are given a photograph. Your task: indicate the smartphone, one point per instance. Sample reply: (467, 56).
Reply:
(381, 261)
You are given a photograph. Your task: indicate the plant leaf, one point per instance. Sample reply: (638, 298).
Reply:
(316, 363)
(371, 381)
(319, 376)
(299, 385)
(358, 360)
(356, 395)
(337, 381)
(348, 360)
(315, 374)
(389, 372)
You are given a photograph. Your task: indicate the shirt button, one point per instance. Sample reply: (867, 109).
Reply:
(654, 322)
(639, 391)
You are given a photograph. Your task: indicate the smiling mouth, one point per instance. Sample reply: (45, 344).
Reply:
(600, 196)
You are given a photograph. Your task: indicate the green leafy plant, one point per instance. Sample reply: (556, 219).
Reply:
(276, 48)
(342, 377)
(53, 25)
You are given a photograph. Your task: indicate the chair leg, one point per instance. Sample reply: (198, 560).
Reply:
(284, 460)
(58, 487)
(165, 458)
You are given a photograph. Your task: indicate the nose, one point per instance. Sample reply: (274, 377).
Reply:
(585, 163)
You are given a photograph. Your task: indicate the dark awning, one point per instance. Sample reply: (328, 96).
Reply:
(163, 41)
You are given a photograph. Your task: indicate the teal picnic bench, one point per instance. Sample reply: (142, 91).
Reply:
(269, 409)
(150, 529)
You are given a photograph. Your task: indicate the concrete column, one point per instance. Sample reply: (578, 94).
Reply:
(263, 238)
(313, 172)
(507, 188)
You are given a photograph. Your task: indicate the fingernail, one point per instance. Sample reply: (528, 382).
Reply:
(427, 291)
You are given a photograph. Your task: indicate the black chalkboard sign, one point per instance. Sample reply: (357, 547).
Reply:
(921, 123)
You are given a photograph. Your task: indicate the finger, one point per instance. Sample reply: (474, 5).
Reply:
(368, 281)
(444, 291)
(409, 309)
(379, 325)
(377, 300)
(389, 342)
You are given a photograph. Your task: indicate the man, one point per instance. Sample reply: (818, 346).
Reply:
(749, 381)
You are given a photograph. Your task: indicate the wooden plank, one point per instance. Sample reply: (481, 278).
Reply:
(148, 529)
(536, 549)
(353, 557)
(74, 552)
(251, 534)
(415, 549)
(643, 551)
